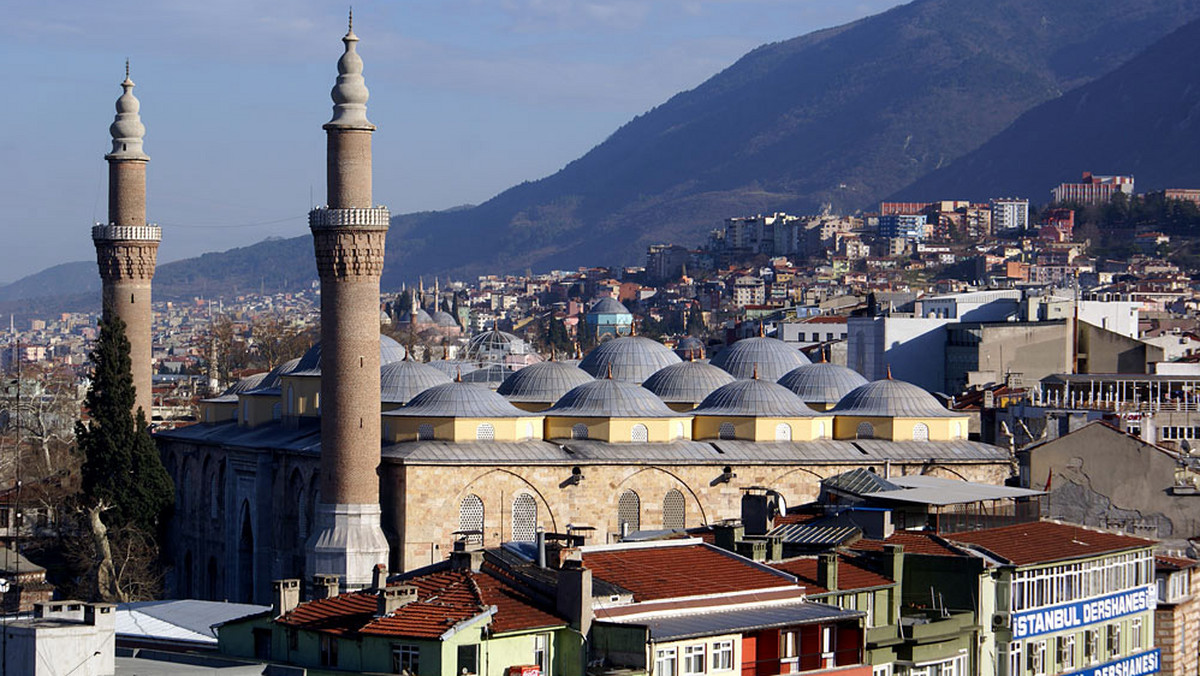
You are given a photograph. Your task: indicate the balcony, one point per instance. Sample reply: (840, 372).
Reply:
(144, 233)
(324, 217)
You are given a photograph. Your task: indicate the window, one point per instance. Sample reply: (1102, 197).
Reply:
(579, 431)
(329, 651)
(1066, 652)
(406, 659)
(276, 411)
(293, 638)
(783, 432)
(881, 670)
(1114, 638)
(727, 431)
(1014, 659)
(1135, 634)
(424, 432)
(262, 644)
(865, 430)
(664, 662)
(673, 510)
(1091, 645)
(291, 400)
(541, 653)
(1037, 658)
(958, 433)
(629, 513)
(470, 517)
(524, 518)
(819, 429)
(920, 432)
(693, 659)
(722, 656)
(678, 430)
(528, 430)
(468, 659)
(639, 434)
(485, 432)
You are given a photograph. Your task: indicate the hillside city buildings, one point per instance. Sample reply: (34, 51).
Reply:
(941, 438)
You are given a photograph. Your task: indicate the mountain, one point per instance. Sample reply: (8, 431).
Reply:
(1141, 119)
(843, 116)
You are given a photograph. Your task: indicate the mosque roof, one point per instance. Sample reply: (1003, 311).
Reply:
(754, 398)
(287, 367)
(632, 359)
(608, 306)
(490, 345)
(443, 318)
(453, 367)
(892, 399)
(250, 382)
(772, 356)
(543, 382)
(420, 316)
(821, 383)
(458, 400)
(400, 381)
(389, 351)
(610, 398)
(686, 382)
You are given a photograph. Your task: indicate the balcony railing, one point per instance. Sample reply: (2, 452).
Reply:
(150, 232)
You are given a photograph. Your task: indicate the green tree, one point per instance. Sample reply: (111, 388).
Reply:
(121, 470)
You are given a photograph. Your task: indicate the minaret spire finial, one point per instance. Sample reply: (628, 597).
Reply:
(127, 68)
(127, 130)
(350, 93)
(350, 24)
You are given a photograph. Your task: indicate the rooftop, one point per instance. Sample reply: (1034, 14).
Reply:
(850, 575)
(1047, 541)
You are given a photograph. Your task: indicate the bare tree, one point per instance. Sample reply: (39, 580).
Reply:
(276, 340)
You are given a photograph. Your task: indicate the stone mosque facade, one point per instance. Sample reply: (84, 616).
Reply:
(354, 455)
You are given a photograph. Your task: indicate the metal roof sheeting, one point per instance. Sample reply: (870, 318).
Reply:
(771, 358)
(611, 398)
(687, 382)
(822, 383)
(892, 399)
(756, 399)
(633, 359)
(545, 381)
(679, 627)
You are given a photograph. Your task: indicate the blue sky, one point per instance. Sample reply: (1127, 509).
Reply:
(470, 97)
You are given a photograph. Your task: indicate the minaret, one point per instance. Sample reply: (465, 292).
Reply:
(348, 238)
(127, 246)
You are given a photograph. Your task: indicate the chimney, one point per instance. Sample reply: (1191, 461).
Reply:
(727, 533)
(540, 543)
(287, 596)
(100, 615)
(894, 568)
(574, 598)
(325, 586)
(827, 571)
(466, 556)
(390, 599)
(379, 576)
(758, 511)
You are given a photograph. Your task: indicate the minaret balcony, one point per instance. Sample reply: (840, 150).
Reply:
(143, 233)
(325, 217)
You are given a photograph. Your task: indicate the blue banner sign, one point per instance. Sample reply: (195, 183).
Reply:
(1080, 613)
(1134, 665)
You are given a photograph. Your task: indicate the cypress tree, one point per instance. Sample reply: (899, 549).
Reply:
(121, 465)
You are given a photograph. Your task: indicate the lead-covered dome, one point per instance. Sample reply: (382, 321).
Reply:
(458, 400)
(545, 382)
(389, 351)
(610, 398)
(608, 306)
(754, 399)
(891, 399)
(444, 319)
(770, 357)
(822, 383)
(632, 359)
(401, 381)
(687, 382)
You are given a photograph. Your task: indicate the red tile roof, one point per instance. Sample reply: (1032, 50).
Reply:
(1174, 563)
(850, 575)
(444, 598)
(1047, 541)
(914, 542)
(662, 572)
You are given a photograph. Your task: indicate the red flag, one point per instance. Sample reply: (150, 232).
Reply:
(1049, 476)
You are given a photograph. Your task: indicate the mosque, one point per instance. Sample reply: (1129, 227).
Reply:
(355, 455)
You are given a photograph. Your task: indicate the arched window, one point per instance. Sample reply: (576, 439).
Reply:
(214, 493)
(424, 432)
(819, 429)
(291, 400)
(485, 432)
(579, 431)
(865, 431)
(317, 403)
(629, 513)
(528, 430)
(783, 432)
(470, 517)
(920, 432)
(276, 411)
(673, 510)
(524, 518)
(958, 433)
(640, 434)
(678, 430)
(727, 431)
(245, 415)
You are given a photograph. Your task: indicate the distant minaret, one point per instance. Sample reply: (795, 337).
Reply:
(348, 237)
(127, 246)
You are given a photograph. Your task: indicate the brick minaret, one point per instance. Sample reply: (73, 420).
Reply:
(127, 246)
(348, 237)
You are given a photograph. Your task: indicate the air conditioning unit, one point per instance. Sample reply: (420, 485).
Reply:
(1000, 621)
